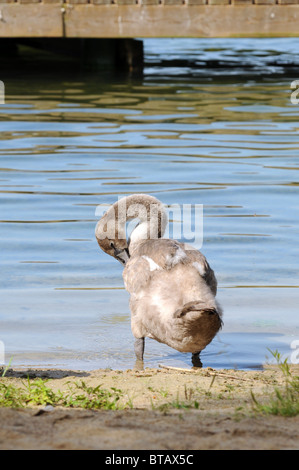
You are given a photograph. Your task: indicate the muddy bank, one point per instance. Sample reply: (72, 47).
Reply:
(164, 409)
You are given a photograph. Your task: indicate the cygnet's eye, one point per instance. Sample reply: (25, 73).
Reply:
(112, 245)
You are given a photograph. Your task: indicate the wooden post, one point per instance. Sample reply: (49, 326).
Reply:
(124, 55)
(129, 56)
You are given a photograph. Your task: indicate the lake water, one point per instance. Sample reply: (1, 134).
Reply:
(224, 135)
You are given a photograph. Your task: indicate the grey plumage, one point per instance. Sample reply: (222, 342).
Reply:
(172, 295)
(172, 291)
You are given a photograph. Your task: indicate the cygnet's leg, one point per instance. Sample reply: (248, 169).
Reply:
(139, 348)
(196, 362)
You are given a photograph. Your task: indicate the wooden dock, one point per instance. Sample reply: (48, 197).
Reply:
(148, 18)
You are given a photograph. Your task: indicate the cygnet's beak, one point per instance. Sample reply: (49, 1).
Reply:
(122, 255)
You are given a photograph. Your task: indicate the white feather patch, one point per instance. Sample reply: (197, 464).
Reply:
(200, 268)
(179, 256)
(152, 265)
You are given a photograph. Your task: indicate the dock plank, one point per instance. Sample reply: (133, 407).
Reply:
(149, 18)
(183, 21)
(101, 2)
(54, 1)
(219, 2)
(31, 20)
(241, 2)
(265, 2)
(197, 2)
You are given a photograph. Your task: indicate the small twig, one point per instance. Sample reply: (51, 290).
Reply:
(217, 374)
(226, 376)
(175, 368)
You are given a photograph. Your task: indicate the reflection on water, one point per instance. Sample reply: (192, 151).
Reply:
(229, 142)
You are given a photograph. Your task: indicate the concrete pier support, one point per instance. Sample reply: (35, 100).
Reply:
(111, 54)
(124, 55)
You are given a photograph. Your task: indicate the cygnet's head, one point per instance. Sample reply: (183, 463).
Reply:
(114, 243)
(111, 228)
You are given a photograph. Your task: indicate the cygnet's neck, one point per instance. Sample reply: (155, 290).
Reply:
(139, 234)
(151, 214)
(144, 231)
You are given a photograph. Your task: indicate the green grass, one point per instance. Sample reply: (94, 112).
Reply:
(284, 401)
(79, 395)
(187, 403)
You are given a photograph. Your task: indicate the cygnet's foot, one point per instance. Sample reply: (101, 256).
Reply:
(139, 365)
(196, 362)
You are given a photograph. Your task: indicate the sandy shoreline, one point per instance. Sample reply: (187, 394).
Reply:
(166, 409)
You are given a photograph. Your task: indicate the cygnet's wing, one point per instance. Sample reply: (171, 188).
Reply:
(136, 274)
(163, 254)
(200, 262)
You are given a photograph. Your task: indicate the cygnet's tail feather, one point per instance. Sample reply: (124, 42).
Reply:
(197, 307)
